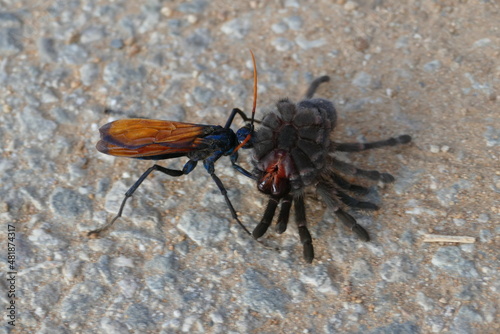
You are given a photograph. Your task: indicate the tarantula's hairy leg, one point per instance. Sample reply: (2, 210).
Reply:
(356, 147)
(305, 236)
(344, 184)
(315, 84)
(354, 203)
(286, 205)
(350, 222)
(349, 169)
(262, 227)
(327, 193)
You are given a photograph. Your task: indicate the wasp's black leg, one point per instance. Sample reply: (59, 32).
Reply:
(266, 220)
(231, 117)
(234, 158)
(243, 116)
(244, 171)
(286, 205)
(209, 166)
(305, 236)
(315, 84)
(349, 169)
(130, 192)
(356, 147)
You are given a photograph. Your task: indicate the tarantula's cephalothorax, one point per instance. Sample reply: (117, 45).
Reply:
(292, 150)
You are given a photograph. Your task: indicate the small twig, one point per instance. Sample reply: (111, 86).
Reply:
(448, 238)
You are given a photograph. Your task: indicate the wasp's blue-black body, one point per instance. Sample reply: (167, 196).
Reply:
(159, 140)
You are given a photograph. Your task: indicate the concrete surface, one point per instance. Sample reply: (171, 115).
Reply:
(176, 262)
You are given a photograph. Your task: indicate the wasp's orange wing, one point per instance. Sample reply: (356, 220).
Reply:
(148, 138)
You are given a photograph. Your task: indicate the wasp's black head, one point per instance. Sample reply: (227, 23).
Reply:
(243, 133)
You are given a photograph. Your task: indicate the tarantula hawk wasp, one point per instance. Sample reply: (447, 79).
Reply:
(149, 139)
(293, 151)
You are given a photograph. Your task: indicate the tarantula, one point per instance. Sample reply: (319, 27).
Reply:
(293, 151)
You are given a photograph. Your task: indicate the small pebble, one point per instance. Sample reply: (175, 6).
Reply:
(434, 149)
(350, 6)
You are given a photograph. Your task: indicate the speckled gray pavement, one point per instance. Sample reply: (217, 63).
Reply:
(176, 262)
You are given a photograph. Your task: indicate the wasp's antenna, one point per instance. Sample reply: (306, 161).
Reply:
(254, 104)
